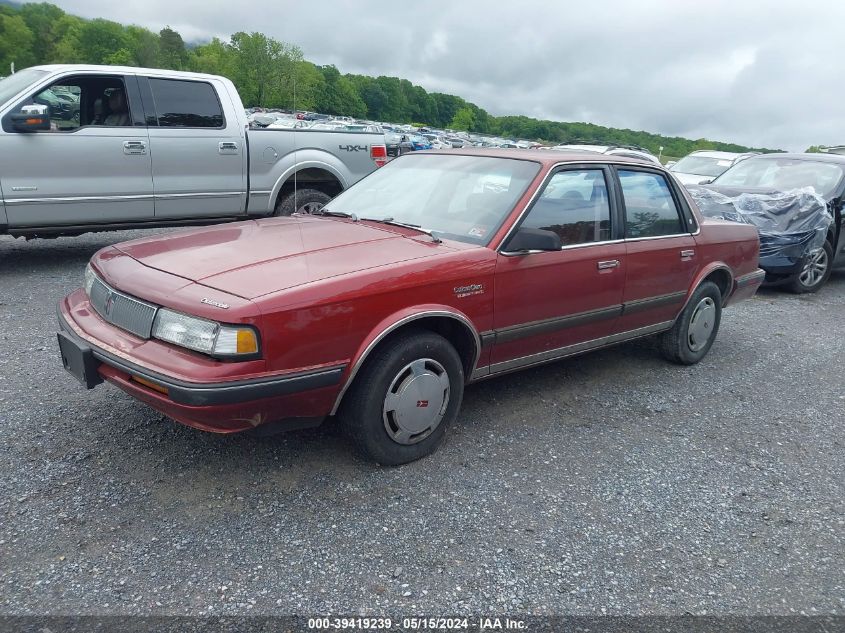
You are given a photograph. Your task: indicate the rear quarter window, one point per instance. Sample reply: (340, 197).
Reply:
(180, 103)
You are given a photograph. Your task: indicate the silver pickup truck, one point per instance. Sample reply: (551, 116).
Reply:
(90, 148)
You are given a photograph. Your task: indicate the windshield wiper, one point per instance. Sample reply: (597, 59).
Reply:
(337, 214)
(407, 225)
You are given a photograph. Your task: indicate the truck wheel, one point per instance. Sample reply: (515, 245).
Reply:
(817, 268)
(694, 331)
(404, 398)
(302, 201)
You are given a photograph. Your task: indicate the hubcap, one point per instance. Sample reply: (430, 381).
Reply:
(701, 324)
(814, 268)
(310, 208)
(416, 401)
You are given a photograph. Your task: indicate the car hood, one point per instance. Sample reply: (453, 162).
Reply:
(255, 258)
(691, 179)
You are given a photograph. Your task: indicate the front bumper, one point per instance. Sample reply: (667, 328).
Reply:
(223, 407)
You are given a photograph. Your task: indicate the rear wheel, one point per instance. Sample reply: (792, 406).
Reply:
(817, 268)
(404, 398)
(307, 201)
(694, 331)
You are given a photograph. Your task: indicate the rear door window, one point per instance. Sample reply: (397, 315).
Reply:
(186, 104)
(650, 209)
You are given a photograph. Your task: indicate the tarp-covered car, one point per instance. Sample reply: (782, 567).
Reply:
(795, 201)
(792, 225)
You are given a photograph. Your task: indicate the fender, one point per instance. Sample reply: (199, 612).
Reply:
(702, 274)
(305, 159)
(391, 324)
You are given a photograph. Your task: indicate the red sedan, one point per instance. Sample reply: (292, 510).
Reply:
(441, 269)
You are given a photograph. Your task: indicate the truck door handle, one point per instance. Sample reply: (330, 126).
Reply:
(134, 147)
(227, 147)
(611, 263)
(687, 254)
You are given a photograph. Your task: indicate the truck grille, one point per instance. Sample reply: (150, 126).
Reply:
(121, 310)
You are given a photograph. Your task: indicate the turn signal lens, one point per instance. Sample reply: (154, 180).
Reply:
(150, 384)
(233, 340)
(247, 342)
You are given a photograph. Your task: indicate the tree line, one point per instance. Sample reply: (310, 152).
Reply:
(273, 74)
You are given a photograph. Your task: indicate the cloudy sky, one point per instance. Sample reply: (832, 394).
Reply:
(757, 72)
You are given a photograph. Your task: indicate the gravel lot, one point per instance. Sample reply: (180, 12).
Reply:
(611, 483)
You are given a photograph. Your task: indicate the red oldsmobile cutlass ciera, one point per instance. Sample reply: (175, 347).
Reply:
(440, 269)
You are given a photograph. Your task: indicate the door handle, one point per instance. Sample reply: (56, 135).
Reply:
(611, 263)
(131, 148)
(227, 147)
(687, 254)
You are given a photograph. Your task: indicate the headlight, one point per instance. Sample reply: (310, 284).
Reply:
(90, 276)
(202, 335)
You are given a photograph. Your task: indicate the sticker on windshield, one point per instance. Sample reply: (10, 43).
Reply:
(478, 231)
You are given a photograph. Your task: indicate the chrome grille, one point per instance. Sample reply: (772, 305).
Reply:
(121, 310)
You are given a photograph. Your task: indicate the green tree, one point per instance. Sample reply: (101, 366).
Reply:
(143, 46)
(172, 52)
(98, 39)
(338, 95)
(65, 32)
(464, 119)
(121, 57)
(263, 68)
(213, 58)
(308, 84)
(40, 18)
(16, 41)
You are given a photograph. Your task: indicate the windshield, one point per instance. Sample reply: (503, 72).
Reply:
(701, 166)
(464, 198)
(13, 84)
(783, 174)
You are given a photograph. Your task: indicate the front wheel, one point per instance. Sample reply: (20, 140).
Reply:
(307, 201)
(817, 268)
(404, 398)
(694, 331)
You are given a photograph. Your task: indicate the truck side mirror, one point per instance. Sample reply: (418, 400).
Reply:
(31, 118)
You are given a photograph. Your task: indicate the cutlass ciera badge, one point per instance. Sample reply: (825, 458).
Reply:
(467, 291)
(214, 303)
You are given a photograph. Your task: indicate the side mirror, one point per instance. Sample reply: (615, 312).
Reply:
(706, 182)
(31, 118)
(526, 240)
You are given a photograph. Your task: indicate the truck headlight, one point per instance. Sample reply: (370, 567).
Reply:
(202, 335)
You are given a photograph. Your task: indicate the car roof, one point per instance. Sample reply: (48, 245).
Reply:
(129, 70)
(813, 158)
(710, 153)
(545, 157)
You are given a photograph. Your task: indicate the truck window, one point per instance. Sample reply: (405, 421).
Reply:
(75, 102)
(186, 103)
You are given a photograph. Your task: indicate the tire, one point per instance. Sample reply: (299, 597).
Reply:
(690, 338)
(817, 268)
(425, 376)
(303, 201)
